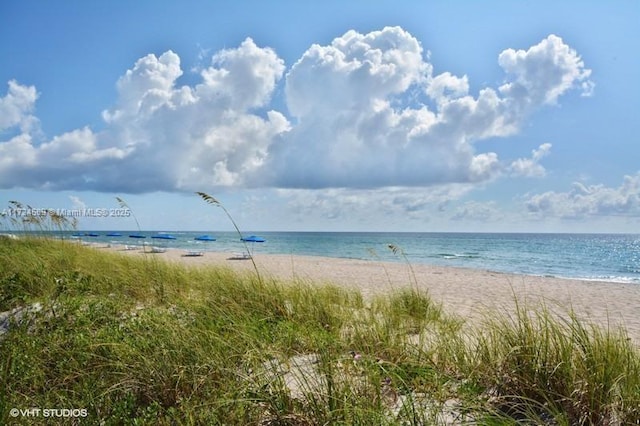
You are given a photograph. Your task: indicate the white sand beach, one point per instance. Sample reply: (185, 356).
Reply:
(469, 293)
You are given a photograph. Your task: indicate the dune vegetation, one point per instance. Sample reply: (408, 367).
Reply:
(134, 340)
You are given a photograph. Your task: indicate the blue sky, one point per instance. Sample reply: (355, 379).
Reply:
(340, 116)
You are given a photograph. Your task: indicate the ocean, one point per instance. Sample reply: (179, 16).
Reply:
(604, 257)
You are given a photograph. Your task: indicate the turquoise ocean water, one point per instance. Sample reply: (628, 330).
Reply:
(607, 257)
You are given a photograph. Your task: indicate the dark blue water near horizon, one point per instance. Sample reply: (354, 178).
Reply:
(607, 257)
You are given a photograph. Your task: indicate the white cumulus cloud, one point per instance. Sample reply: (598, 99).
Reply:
(245, 77)
(365, 111)
(16, 107)
(354, 70)
(158, 135)
(356, 128)
(544, 72)
(531, 167)
(584, 201)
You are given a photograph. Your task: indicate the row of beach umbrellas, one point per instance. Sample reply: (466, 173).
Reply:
(249, 239)
(165, 236)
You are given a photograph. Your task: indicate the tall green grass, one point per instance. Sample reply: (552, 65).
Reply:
(226, 348)
(537, 363)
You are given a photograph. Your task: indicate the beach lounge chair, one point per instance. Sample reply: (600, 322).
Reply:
(240, 256)
(194, 253)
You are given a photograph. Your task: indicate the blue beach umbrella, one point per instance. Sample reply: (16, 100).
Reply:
(205, 238)
(114, 234)
(164, 237)
(89, 234)
(253, 239)
(137, 237)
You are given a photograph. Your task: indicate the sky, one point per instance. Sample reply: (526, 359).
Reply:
(494, 116)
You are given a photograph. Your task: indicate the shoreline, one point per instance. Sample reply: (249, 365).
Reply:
(468, 293)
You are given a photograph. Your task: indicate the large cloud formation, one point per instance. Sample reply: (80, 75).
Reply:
(356, 127)
(365, 111)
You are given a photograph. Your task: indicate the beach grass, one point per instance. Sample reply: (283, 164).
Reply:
(91, 329)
